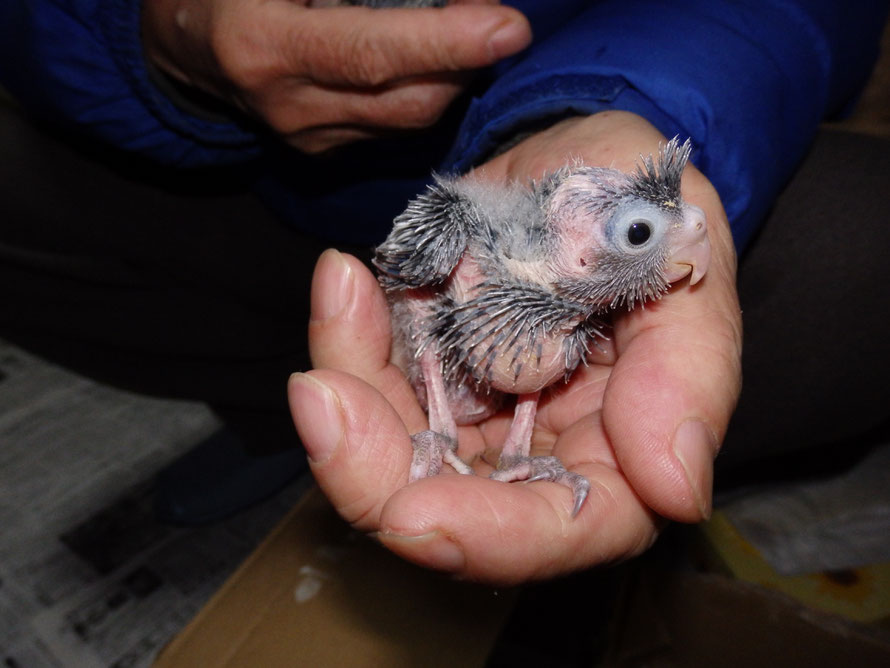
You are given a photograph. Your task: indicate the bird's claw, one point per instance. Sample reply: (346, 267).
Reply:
(532, 469)
(431, 450)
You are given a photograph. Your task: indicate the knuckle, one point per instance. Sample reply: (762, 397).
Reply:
(414, 107)
(240, 59)
(280, 105)
(279, 117)
(363, 61)
(425, 106)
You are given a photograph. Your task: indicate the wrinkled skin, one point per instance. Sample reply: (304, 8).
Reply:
(643, 422)
(322, 77)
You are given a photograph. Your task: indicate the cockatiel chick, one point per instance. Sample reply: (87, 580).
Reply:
(497, 290)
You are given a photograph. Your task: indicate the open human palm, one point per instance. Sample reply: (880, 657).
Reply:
(642, 421)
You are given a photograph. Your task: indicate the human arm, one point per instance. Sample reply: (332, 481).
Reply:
(672, 363)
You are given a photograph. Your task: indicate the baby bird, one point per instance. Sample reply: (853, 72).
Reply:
(498, 290)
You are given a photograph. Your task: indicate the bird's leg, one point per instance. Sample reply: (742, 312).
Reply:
(516, 464)
(439, 443)
(519, 438)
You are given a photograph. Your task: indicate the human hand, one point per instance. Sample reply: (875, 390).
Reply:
(326, 76)
(642, 422)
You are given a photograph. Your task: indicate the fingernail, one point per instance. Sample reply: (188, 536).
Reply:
(319, 416)
(332, 285)
(509, 38)
(431, 549)
(695, 447)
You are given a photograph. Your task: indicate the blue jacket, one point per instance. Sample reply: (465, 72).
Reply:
(747, 80)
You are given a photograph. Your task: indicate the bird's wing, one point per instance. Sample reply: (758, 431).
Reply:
(428, 238)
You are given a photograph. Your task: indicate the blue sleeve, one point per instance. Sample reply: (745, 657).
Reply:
(748, 80)
(80, 62)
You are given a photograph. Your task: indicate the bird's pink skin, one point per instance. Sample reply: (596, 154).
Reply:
(544, 365)
(527, 368)
(538, 367)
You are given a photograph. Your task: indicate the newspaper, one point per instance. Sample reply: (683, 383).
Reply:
(88, 578)
(833, 524)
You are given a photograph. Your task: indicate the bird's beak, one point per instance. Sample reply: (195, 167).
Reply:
(693, 255)
(691, 260)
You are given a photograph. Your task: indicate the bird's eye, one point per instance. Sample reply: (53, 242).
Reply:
(639, 232)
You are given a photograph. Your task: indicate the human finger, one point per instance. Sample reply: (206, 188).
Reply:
(470, 526)
(504, 533)
(359, 450)
(349, 330)
(676, 381)
(314, 118)
(364, 47)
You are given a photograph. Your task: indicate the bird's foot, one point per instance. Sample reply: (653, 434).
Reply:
(530, 469)
(431, 450)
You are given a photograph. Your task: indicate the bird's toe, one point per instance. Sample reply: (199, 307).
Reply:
(532, 469)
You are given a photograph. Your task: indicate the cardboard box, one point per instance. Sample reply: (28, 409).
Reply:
(317, 593)
(680, 619)
(704, 596)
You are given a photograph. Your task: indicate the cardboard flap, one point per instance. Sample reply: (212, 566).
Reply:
(316, 592)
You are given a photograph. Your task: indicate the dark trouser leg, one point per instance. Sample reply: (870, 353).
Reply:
(158, 280)
(813, 288)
